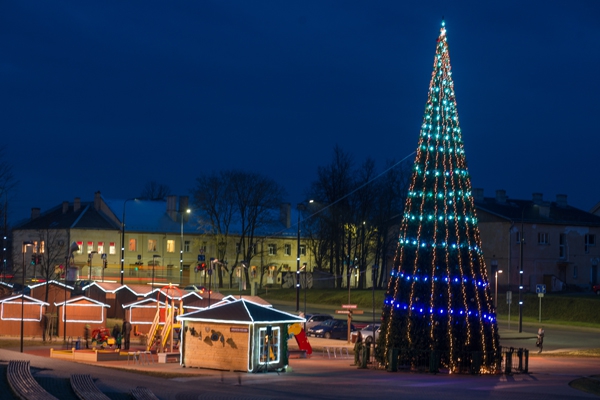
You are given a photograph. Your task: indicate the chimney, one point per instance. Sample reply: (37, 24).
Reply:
(538, 198)
(501, 196)
(97, 201)
(76, 204)
(478, 195)
(561, 200)
(65, 207)
(285, 214)
(35, 212)
(183, 203)
(171, 207)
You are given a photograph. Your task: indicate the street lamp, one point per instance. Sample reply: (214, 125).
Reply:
(521, 243)
(154, 257)
(498, 271)
(181, 247)
(90, 258)
(299, 207)
(123, 239)
(23, 250)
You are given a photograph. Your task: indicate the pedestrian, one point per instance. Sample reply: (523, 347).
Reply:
(358, 346)
(86, 335)
(126, 331)
(540, 339)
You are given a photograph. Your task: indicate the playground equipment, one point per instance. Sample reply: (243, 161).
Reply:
(161, 331)
(300, 337)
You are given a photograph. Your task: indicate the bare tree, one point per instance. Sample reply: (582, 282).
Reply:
(155, 191)
(52, 247)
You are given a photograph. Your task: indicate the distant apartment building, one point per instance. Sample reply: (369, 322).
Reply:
(554, 242)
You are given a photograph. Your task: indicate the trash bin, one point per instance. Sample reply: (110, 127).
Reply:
(77, 344)
(392, 360)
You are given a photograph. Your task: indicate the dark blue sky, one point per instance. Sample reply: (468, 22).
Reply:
(110, 95)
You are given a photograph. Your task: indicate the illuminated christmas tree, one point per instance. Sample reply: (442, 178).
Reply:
(438, 309)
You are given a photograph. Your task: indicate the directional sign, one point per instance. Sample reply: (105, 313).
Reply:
(540, 288)
(349, 305)
(201, 257)
(509, 298)
(343, 311)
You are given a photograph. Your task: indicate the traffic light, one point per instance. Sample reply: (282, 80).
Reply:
(33, 259)
(201, 267)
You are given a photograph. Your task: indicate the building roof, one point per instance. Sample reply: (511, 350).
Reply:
(243, 312)
(253, 299)
(86, 217)
(539, 212)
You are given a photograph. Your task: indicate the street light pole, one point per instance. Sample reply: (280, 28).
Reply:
(298, 265)
(123, 239)
(181, 247)
(90, 258)
(496, 294)
(521, 243)
(23, 250)
(154, 257)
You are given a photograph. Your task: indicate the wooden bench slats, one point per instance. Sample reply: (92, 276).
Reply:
(143, 393)
(23, 384)
(84, 387)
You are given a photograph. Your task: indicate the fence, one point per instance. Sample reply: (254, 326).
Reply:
(506, 361)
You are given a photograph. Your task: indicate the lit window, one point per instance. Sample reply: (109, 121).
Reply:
(42, 247)
(100, 247)
(542, 238)
(272, 249)
(170, 246)
(269, 344)
(132, 244)
(151, 245)
(111, 248)
(287, 249)
(90, 247)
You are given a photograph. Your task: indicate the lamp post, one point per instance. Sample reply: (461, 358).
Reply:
(299, 207)
(521, 243)
(90, 258)
(181, 247)
(154, 257)
(23, 250)
(123, 239)
(73, 248)
(498, 271)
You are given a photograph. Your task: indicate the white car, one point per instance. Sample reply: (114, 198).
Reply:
(367, 333)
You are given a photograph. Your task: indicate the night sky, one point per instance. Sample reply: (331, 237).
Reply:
(106, 96)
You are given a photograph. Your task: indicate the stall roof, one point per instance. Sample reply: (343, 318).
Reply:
(78, 299)
(241, 311)
(51, 282)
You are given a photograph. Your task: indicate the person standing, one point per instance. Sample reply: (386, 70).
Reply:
(86, 335)
(540, 339)
(358, 346)
(126, 331)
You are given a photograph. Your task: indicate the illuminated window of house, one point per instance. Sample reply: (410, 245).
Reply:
(42, 247)
(287, 249)
(269, 345)
(111, 248)
(302, 250)
(100, 247)
(186, 246)
(170, 246)
(151, 245)
(272, 249)
(272, 271)
(80, 245)
(35, 246)
(132, 244)
(90, 247)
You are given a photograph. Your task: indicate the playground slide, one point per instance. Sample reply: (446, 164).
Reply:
(301, 338)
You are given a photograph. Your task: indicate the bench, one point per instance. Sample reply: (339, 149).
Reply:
(85, 388)
(23, 384)
(164, 358)
(143, 393)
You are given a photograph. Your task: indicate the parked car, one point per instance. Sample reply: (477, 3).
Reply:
(596, 289)
(315, 319)
(367, 333)
(331, 329)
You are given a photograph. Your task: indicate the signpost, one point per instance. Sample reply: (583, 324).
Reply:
(349, 309)
(541, 291)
